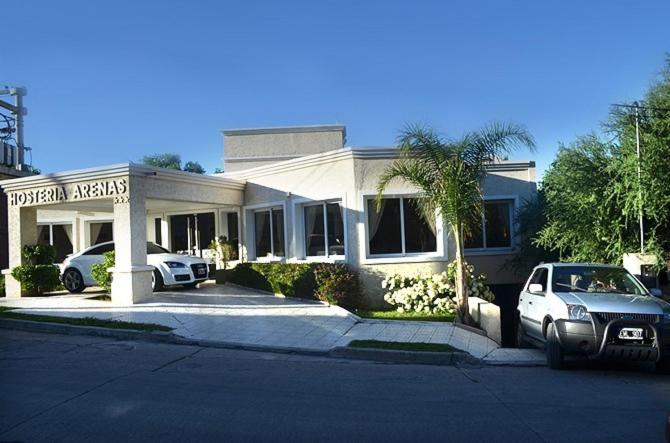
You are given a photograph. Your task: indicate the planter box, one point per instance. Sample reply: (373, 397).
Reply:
(223, 275)
(487, 316)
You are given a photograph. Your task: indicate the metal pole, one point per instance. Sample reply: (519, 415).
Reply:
(18, 160)
(639, 175)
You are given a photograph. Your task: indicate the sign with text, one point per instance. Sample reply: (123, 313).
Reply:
(69, 193)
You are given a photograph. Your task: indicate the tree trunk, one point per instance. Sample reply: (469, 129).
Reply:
(462, 309)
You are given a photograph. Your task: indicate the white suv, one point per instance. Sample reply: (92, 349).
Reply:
(598, 311)
(169, 269)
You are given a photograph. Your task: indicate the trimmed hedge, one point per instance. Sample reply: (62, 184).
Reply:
(332, 283)
(38, 275)
(2, 285)
(37, 279)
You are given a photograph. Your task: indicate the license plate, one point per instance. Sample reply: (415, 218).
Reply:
(631, 334)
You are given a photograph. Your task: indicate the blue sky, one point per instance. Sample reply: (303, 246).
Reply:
(111, 81)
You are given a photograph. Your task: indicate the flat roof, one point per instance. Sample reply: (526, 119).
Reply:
(285, 129)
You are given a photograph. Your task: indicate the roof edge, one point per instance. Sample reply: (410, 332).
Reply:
(285, 129)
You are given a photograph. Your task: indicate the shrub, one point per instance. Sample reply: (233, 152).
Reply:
(290, 279)
(337, 284)
(333, 283)
(38, 275)
(432, 294)
(37, 279)
(102, 277)
(223, 251)
(2, 285)
(38, 254)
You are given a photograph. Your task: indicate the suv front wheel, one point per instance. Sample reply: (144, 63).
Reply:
(555, 357)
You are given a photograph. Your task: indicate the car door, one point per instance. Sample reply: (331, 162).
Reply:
(534, 304)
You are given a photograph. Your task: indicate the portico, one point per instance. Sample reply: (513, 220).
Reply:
(128, 195)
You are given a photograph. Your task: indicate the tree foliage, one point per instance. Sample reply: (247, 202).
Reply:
(172, 161)
(449, 175)
(592, 189)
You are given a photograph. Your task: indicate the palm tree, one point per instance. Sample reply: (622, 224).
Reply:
(449, 176)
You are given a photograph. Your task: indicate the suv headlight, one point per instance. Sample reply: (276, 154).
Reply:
(578, 312)
(174, 264)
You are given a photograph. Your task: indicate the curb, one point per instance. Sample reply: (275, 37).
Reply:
(369, 354)
(411, 357)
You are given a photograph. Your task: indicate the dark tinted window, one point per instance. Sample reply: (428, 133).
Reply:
(315, 241)
(335, 229)
(384, 227)
(155, 249)
(278, 232)
(419, 231)
(108, 247)
(262, 231)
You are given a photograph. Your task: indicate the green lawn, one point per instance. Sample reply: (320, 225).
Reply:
(85, 321)
(402, 346)
(395, 315)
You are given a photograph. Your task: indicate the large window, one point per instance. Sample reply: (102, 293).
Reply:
(495, 228)
(399, 227)
(324, 230)
(101, 232)
(269, 233)
(192, 233)
(57, 235)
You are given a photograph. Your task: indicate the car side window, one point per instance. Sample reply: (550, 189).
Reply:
(540, 277)
(101, 249)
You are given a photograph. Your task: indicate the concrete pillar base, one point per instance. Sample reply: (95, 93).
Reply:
(131, 285)
(12, 287)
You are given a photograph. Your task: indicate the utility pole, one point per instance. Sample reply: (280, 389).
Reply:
(639, 175)
(18, 112)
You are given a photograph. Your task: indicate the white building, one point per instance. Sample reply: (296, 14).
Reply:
(288, 194)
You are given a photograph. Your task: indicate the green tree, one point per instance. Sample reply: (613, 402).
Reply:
(449, 176)
(594, 196)
(581, 219)
(194, 167)
(168, 161)
(172, 161)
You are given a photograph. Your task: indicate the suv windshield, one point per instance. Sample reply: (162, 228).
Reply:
(153, 248)
(594, 279)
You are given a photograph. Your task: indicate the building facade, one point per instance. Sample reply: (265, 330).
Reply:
(296, 194)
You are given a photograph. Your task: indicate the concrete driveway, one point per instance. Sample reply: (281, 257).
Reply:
(241, 316)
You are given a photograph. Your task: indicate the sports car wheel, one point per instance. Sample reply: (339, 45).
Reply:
(73, 281)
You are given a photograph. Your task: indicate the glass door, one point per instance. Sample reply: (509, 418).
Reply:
(192, 233)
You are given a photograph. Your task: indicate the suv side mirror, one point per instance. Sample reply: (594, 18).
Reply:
(656, 292)
(535, 288)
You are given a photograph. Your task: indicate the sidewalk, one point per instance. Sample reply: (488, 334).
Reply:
(240, 316)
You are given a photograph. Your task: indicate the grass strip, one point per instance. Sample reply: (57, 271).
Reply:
(411, 316)
(402, 346)
(83, 321)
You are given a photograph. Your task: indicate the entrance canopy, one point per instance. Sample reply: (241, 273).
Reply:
(128, 192)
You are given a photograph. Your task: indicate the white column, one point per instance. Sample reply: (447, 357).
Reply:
(131, 281)
(22, 228)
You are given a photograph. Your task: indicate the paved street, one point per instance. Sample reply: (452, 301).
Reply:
(71, 388)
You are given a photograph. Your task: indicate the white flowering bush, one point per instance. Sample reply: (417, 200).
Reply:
(432, 294)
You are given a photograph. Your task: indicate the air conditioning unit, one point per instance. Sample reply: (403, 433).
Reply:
(8, 152)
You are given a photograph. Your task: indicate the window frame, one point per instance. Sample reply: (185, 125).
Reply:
(269, 209)
(324, 206)
(513, 201)
(403, 256)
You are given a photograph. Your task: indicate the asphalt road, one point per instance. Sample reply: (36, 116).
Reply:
(65, 388)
